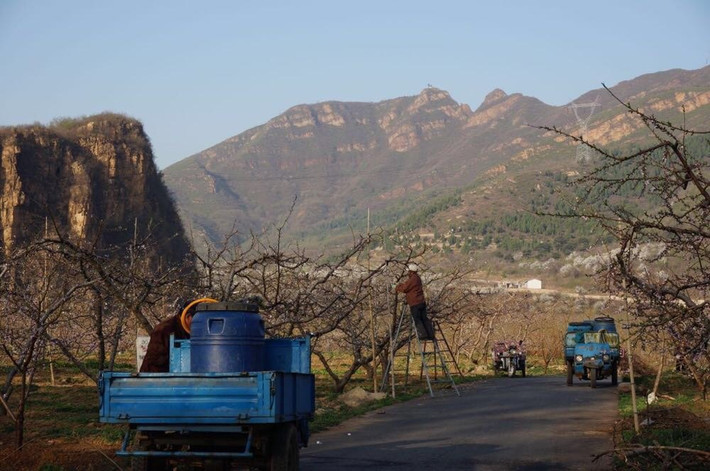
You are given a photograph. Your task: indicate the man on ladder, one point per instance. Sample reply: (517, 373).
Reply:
(426, 330)
(414, 294)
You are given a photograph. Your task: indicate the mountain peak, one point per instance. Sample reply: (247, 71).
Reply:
(432, 94)
(493, 97)
(431, 90)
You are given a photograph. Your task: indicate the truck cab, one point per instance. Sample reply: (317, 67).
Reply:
(592, 351)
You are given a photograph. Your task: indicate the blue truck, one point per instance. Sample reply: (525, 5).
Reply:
(592, 350)
(232, 398)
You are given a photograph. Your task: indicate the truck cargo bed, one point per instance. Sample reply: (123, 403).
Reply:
(260, 397)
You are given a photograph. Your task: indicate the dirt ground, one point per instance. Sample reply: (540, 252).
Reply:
(62, 431)
(56, 455)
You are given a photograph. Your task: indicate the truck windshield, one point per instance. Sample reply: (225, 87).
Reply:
(602, 337)
(570, 340)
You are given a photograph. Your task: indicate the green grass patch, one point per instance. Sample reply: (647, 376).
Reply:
(678, 437)
(679, 418)
(61, 411)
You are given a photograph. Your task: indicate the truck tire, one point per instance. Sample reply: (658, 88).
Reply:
(615, 374)
(570, 373)
(593, 377)
(284, 449)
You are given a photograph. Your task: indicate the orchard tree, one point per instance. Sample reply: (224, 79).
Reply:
(129, 288)
(299, 294)
(345, 303)
(37, 288)
(655, 203)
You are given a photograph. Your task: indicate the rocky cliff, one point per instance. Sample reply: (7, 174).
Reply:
(90, 177)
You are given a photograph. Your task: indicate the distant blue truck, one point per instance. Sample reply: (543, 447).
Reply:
(232, 398)
(592, 351)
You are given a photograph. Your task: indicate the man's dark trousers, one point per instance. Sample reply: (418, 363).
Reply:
(425, 328)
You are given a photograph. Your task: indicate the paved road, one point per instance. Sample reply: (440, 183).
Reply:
(534, 423)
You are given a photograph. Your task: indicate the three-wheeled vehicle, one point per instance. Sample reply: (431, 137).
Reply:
(231, 397)
(592, 350)
(509, 356)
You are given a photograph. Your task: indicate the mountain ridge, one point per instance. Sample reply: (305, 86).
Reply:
(338, 159)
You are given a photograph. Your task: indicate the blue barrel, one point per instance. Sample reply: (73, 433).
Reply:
(226, 337)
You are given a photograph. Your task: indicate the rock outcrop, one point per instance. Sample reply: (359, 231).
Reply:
(93, 177)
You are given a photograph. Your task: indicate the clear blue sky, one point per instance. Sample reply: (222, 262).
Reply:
(196, 73)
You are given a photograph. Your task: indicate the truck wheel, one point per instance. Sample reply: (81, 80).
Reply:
(570, 373)
(615, 375)
(284, 449)
(593, 377)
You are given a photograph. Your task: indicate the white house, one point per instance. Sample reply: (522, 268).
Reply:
(533, 284)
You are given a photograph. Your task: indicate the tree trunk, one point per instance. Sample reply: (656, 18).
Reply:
(98, 323)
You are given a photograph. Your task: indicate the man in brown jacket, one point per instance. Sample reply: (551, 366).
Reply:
(157, 356)
(414, 294)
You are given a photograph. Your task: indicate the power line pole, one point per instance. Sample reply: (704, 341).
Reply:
(372, 316)
(583, 150)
